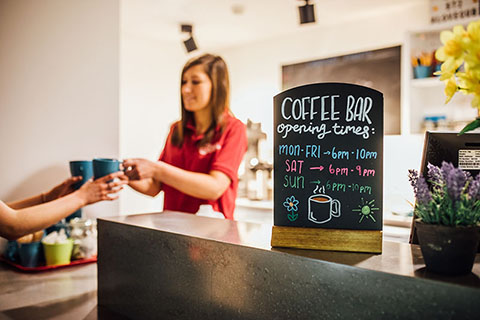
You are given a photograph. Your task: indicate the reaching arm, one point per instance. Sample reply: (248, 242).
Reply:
(16, 223)
(148, 186)
(66, 187)
(208, 186)
(211, 185)
(28, 202)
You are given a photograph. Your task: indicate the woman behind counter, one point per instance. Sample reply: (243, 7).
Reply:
(203, 151)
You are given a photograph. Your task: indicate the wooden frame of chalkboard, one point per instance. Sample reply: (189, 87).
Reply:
(328, 168)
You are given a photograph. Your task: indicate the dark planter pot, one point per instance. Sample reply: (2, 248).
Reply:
(448, 250)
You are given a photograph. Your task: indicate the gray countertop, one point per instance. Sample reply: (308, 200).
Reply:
(397, 258)
(183, 266)
(68, 293)
(71, 293)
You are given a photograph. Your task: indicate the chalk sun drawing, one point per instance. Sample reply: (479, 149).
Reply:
(365, 210)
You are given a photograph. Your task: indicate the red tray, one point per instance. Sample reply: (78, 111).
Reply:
(45, 268)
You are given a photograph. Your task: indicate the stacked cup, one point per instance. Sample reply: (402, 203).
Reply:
(29, 249)
(82, 168)
(96, 168)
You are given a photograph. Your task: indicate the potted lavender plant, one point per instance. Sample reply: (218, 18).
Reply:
(448, 218)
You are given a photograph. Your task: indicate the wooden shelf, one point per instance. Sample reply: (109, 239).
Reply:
(427, 82)
(420, 96)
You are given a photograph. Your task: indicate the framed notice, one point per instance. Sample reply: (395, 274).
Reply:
(377, 69)
(328, 168)
(453, 10)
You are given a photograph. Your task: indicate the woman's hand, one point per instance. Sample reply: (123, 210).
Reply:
(97, 190)
(66, 187)
(139, 169)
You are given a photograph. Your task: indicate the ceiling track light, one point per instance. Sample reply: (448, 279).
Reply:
(306, 12)
(190, 44)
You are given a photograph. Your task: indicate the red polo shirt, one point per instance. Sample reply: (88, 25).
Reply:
(223, 154)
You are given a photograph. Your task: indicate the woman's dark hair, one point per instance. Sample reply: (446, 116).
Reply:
(216, 69)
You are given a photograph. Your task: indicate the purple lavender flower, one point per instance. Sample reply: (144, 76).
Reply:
(420, 187)
(422, 193)
(435, 174)
(455, 180)
(474, 188)
(413, 178)
(451, 199)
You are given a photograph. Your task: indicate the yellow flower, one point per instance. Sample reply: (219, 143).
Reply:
(447, 69)
(473, 31)
(450, 88)
(476, 102)
(468, 83)
(452, 44)
(461, 47)
(472, 54)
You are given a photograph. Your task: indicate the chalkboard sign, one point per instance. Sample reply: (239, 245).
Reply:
(328, 160)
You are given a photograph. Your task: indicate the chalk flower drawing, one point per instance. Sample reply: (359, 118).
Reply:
(291, 203)
(292, 206)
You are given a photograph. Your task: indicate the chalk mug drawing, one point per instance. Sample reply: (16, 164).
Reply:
(321, 208)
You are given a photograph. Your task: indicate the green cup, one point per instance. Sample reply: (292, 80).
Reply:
(58, 253)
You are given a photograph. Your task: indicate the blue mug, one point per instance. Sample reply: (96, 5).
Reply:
(82, 168)
(11, 251)
(421, 72)
(30, 254)
(104, 166)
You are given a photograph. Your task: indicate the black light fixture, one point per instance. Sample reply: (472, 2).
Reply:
(307, 13)
(190, 44)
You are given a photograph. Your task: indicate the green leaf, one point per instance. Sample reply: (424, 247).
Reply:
(471, 126)
(292, 217)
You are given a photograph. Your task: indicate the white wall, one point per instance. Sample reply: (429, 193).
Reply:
(150, 103)
(59, 85)
(150, 71)
(256, 67)
(256, 77)
(59, 92)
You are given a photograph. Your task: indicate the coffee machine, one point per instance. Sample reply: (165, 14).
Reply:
(256, 178)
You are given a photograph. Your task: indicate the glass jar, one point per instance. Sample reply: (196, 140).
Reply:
(84, 235)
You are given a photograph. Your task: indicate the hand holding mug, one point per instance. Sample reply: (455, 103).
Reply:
(139, 169)
(102, 188)
(66, 187)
